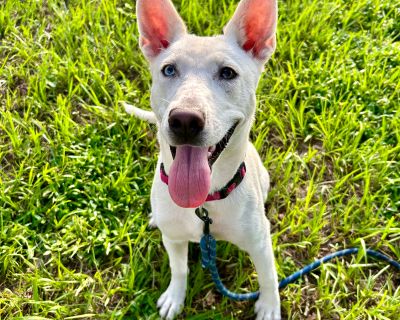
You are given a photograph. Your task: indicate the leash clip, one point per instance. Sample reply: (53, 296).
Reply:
(202, 213)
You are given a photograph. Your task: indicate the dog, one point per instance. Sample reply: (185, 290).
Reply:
(203, 102)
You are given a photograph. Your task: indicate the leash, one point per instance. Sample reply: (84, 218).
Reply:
(208, 246)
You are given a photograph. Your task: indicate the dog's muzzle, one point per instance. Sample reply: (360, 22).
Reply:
(186, 125)
(190, 171)
(214, 151)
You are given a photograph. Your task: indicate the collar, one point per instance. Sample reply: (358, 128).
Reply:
(222, 193)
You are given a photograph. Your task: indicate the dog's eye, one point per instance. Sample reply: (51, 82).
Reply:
(169, 70)
(227, 73)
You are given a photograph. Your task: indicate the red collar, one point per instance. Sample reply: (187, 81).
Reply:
(222, 193)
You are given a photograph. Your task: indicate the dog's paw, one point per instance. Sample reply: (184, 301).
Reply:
(170, 303)
(268, 309)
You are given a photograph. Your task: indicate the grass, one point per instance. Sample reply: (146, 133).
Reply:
(76, 170)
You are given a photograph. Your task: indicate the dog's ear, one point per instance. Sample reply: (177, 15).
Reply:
(253, 27)
(159, 25)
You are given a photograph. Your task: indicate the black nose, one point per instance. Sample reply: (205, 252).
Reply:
(186, 124)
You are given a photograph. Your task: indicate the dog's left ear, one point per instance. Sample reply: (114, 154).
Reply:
(253, 27)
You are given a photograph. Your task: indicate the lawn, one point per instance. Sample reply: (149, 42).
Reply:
(76, 171)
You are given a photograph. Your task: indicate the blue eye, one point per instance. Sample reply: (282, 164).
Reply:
(169, 70)
(227, 73)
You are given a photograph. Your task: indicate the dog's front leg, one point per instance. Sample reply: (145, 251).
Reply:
(171, 301)
(267, 306)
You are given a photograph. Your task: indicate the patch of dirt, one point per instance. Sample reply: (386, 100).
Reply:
(80, 115)
(19, 84)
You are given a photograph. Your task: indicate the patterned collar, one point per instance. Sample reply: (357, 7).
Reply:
(222, 193)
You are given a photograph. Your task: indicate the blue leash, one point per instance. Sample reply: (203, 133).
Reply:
(208, 246)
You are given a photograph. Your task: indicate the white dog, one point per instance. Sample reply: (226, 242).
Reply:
(203, 101)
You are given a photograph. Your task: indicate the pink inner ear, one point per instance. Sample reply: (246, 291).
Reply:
(258, 23)
(155, 26)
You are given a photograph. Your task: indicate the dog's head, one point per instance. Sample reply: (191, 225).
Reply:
(204, 87)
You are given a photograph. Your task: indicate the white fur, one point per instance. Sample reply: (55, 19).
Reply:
(140, 113)
(239, 218)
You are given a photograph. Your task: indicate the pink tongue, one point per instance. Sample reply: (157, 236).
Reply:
(189, 176)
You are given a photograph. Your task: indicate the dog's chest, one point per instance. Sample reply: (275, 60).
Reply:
(183, 224)
(226, 221)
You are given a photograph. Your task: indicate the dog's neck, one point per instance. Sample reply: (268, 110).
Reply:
(227, 163)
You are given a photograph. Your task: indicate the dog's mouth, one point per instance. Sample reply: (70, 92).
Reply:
(190, 172)
(214, 151)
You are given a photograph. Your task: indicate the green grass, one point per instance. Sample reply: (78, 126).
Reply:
(76, 170)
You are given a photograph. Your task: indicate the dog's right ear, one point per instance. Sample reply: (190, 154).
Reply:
(159, 25)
